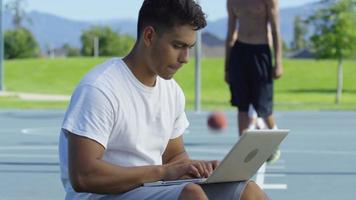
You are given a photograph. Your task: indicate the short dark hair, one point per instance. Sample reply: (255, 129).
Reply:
(165, 14)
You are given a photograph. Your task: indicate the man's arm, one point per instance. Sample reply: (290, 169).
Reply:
(175, 151)
(89, 173)
(273, 18)
(231, 35)
(175, 154)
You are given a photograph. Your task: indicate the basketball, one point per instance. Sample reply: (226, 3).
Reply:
(217, 121)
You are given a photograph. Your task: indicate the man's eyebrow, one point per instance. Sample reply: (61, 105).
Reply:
(184, 44)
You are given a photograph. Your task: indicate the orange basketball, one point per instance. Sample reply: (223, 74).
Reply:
(217, 121)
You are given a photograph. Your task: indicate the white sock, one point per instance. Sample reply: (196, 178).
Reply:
(252, 126)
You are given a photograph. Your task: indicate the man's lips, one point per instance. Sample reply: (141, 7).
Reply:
(174, 68)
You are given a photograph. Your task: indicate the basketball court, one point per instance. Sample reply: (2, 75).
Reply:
(318, 157)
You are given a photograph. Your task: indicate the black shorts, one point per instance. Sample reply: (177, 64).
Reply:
(250, 77)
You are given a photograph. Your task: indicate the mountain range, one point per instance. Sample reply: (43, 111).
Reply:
(53, 31)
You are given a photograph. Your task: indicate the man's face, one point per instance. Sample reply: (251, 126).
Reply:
(170, 50)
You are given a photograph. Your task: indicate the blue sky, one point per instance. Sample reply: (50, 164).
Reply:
(117, 9)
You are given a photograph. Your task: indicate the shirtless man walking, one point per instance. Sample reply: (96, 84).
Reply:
(248, 65)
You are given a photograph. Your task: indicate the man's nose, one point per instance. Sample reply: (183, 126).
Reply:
(184, 56)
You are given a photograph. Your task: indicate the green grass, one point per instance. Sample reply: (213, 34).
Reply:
(310, 84)
(58, 76)
(305, 85)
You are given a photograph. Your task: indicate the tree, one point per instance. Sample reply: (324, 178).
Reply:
(20, 43)
(110, 42)
(335, 35)
(18, 13)
(300, 31)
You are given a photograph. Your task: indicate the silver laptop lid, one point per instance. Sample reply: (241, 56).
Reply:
(247, 156)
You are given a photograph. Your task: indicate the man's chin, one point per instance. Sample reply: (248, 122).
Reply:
(167, 77)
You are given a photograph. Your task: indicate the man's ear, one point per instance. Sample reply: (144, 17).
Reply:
(148, 35)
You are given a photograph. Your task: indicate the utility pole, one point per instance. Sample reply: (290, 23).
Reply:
(2, 87)
(197, 102)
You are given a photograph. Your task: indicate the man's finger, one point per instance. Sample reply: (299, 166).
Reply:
(209, 167)
(194, 171)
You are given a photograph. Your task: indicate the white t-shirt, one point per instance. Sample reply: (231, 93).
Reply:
(132, 121)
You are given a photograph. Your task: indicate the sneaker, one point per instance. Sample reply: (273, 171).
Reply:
(260, 124)
(274, 157)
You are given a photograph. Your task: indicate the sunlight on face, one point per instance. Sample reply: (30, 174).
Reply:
(171, 50)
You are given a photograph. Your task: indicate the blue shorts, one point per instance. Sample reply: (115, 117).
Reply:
(216, 191)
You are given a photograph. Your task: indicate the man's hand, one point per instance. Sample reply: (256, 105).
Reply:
(205, 168)
(277, 72)
(189, 169)
(177, 165)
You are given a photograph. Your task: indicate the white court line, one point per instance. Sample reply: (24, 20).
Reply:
(49, 131)
(260, 177)
(274, 186)
(28, 156)
(275, 175)
(29, 147)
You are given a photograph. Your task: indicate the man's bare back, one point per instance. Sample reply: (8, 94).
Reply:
(252, 17)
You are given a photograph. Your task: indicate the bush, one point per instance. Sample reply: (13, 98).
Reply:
(110, 42)
(20, 43)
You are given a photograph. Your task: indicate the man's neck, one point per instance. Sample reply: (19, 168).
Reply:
(140, 69)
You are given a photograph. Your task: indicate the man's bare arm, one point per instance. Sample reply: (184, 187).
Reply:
(90, 173)
(175, 151)
(273, 18)
(175, 154)
(231, 34)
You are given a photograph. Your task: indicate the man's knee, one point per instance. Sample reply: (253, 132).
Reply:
(253, 192)
(192, 191)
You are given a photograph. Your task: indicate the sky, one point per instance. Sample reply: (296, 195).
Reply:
(89, 10)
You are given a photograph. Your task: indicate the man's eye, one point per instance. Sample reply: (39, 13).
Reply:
(177, 46)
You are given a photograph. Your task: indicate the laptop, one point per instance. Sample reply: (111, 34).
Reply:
(244, 159)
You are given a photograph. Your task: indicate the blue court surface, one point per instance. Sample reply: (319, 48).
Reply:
(318, 157)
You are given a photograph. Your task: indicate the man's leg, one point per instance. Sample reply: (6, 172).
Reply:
(182, 191)
(253, 192)
(234, 191)
(192, 192)
(252, 114)
(243, 121)
(270, 122)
